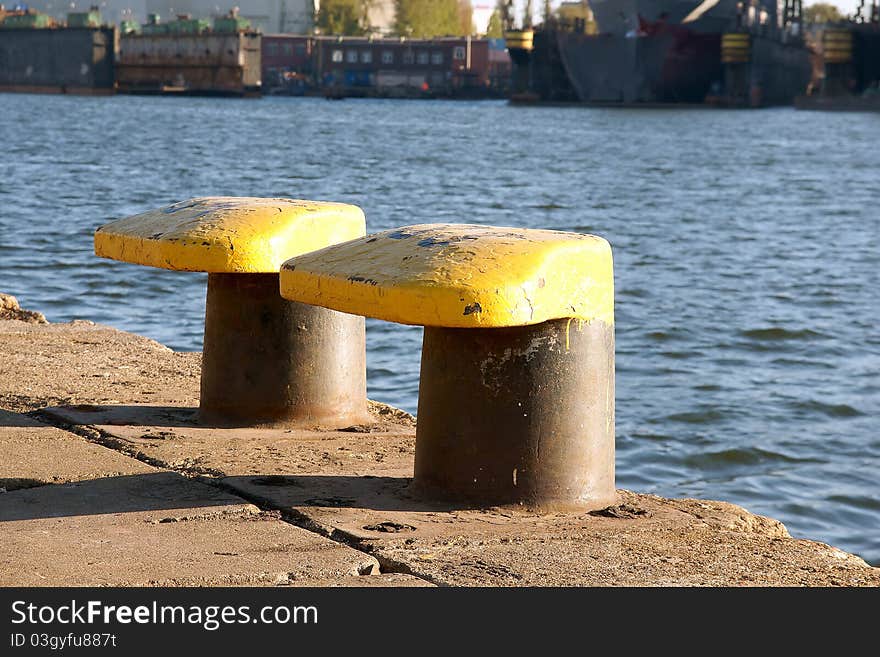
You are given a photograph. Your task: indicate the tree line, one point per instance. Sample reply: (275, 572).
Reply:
(418, 19)
(822, 12)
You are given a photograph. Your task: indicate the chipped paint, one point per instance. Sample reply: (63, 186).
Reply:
(492, 370)
(228, 234)
(459, 275)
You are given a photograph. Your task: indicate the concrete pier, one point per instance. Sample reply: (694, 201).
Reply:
(107, 479)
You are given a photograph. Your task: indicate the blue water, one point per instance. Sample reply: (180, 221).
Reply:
(746, 257)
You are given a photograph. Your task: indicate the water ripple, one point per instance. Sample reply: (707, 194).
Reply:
(778, 333)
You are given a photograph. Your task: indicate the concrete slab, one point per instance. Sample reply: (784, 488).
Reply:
(355, 487)
(84, 362)
(352, 485)
(170, 437)
(35, 454)
(88, 365)
(159, 529)
(642, 541)
(114, 520)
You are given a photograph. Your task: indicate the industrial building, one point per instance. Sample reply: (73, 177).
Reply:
(360, 66)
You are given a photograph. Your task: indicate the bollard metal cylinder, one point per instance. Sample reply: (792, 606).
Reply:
(269, 361)
(521, 415)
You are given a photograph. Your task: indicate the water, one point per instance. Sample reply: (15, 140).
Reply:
(746, 257)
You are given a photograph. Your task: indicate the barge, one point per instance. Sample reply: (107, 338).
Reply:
(188, 56)
(39, 55)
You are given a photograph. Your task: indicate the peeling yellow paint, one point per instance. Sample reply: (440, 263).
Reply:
(228, 234)
(459, 275)
(568, 333)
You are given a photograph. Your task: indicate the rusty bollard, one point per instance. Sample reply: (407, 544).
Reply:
(516, 394)
(266, 360)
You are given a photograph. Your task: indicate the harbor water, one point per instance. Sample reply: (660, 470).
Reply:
(746, 245)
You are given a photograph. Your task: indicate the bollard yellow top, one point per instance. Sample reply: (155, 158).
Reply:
(228, 234)
(459, 275)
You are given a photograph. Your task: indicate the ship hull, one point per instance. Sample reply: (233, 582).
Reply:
(550, 79)
(682, 66)
(676, 67)
(779, 72)
(620, 17)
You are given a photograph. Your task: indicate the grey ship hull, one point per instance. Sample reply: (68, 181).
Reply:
(664, 68)
(779, 71)
(669, 51)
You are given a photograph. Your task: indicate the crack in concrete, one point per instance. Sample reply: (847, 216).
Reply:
(386, 564)
(211, 477)
(95, 435)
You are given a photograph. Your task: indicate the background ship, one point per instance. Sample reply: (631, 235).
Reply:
(675, 51)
